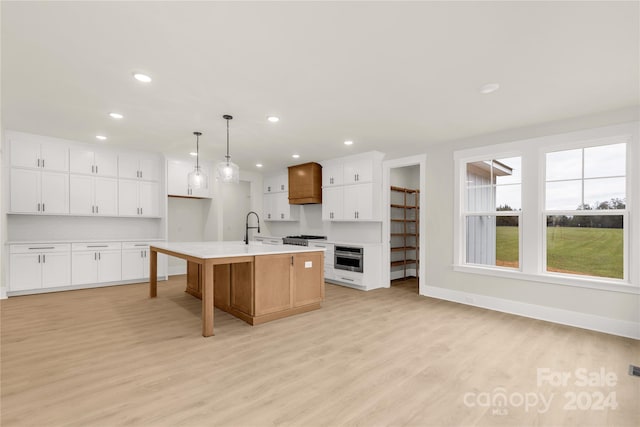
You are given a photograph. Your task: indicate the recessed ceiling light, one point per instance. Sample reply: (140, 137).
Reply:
(489, 87)
(273, 119)
(193, 153)
(348, 142)
(116, 115)
(295, 156)
(141, 77)
(101, 137)
(258, 165)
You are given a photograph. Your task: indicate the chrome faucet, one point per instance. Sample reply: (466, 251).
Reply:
(247, 228)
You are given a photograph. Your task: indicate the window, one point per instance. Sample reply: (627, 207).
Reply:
(556, 209)
(492, 212)
(586, 211)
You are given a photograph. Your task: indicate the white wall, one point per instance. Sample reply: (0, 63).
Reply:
(186, 223)
(236, 205)
(615, 312)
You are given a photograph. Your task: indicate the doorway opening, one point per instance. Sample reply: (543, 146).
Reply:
(404, 230)
(403, 223)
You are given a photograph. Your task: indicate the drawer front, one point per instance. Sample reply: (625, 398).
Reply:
(348, 277)
(135, 245)
(39, 248)
(96, 246)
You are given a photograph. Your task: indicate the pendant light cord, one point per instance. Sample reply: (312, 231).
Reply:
(197, 152)
(227, 156)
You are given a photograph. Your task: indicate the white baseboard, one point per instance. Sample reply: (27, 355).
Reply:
(592, 322)
(177, 269)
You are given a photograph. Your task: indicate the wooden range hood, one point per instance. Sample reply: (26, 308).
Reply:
(305, 184)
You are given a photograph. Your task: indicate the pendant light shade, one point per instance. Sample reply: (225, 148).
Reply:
(227, 171)
(197, 179)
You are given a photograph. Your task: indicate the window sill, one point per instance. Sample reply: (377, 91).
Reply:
(556, 279)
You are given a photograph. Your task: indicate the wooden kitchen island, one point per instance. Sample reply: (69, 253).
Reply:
(256, 283)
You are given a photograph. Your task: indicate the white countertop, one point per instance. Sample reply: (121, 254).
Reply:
(47, 242)
(230, 249)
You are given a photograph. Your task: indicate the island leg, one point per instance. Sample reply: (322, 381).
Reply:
(153, 273)
(207, 287)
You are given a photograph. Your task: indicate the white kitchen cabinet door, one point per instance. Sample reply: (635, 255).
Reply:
(148, 199)
(177, 172)
(358, 202)
(44, 156)
(106, 164)
(26, 272)
(25, 154)
(109, 266)
(128, 167)
(84, 268)
(285, 211)
(269, 184)
(356, 171)
(56, 270)
(54, 157)
(332, 174)
(332, 203)
(145, 168)
(202, 192)
(105, 192)
(55, 193)
(25, 191)
(149, 169)
(268, 207)
(81, 161)
(81, 200)
(128, 198)
(133, 264)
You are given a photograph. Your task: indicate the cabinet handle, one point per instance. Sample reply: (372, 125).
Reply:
(41, 247)
(281, 216)
(44, 258)
(95, 256)
(97, 209)
(93, 169)
(43, 207)
(42, 162)
(38, 259)
(98, 256)
(140, 174)
(93, 209)
(282, 186)
(38, 207)
(141, 254)
(291, 259)
(38, 166)
(140, 211)
(97, 246)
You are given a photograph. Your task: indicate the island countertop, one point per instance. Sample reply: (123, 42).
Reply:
(208, 250)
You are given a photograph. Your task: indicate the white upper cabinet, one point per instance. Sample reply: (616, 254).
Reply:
(28, 152)
(99, 163)
(332, 173)
(138, 198)
(276, 183)
(132, 166)
(357, 171)
(177, 185)
(38, 192)
(352, 188)
(93, 195)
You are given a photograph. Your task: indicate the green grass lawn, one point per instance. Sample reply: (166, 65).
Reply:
(574, 250)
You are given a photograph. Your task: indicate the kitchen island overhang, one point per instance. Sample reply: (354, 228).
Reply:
(256, 283)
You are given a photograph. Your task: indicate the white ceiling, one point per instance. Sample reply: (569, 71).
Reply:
(390, 76)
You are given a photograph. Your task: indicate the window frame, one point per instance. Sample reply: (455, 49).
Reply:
(626, 233)
(532, 222)
(465, 213)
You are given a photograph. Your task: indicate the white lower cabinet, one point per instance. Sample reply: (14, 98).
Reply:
(329, 271)
(95, 263)
(39, 266)
(135, 262)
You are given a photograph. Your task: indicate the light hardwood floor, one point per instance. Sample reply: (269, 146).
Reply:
(112, 356)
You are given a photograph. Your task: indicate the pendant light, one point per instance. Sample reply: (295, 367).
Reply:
(197, 178)
(227, 171)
